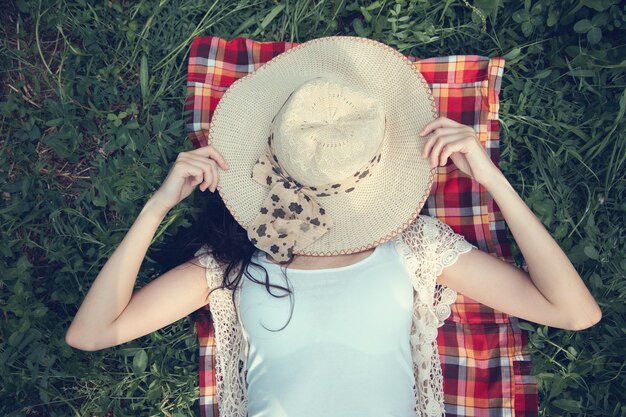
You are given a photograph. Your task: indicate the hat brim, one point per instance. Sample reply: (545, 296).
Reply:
(385, 203)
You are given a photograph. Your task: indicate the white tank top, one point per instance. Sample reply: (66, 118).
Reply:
(346, 350)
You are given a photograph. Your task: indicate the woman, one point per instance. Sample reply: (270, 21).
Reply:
(339, 342)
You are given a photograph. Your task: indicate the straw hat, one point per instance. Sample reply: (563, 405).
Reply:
(323, 147)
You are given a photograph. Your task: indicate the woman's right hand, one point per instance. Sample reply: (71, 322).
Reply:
(198, 166)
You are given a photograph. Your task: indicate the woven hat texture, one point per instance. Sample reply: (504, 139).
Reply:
(391, 198)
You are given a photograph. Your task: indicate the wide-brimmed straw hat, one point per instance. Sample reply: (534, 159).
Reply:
(323, 147)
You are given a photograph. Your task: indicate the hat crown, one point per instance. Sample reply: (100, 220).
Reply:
(326, 131)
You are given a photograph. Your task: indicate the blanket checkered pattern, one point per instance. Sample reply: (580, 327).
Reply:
(486, 370)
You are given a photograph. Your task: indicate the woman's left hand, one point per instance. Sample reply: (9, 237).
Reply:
(459, 142)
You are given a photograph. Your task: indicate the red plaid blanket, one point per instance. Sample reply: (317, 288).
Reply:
(486, 371)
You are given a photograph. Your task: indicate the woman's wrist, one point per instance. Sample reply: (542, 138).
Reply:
(155, 207)
(496, 180)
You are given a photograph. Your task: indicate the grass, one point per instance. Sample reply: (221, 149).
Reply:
(91, 116)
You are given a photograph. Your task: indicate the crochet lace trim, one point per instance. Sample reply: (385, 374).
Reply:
(230, 349)
(440, 247)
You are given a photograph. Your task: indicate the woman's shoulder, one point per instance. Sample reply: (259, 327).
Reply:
(425, 219)
(429, 224)
(422, 224)
(429, 232)
(204, 255)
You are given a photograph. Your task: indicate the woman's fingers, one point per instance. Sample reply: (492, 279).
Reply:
(444, 131)
(215, 180)
(190, 172)
(210, 167)
(440, 122)
(191, 168)
(204, 157)
(210, 176)
(206, 167)
(436, 146)
(212, 153)
(448, 149)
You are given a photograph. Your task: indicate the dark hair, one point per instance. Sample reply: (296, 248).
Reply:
(213, 224)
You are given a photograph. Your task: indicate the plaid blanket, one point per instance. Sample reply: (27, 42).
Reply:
(486, 370)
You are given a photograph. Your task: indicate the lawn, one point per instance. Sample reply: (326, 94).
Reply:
(92, 115)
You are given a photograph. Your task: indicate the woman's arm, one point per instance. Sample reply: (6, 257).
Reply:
(111, 313)
(552, 293)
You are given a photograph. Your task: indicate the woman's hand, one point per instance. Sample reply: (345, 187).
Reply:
(459, 142)
(191, 168)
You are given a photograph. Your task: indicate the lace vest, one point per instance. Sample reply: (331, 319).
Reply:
(427, 246)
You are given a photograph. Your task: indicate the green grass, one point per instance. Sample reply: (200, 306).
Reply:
(92, 116)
